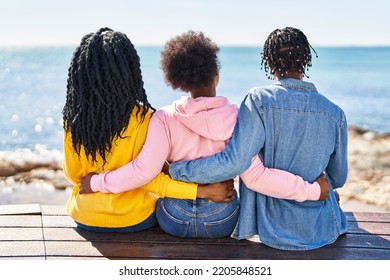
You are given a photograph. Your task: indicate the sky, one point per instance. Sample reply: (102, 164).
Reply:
(227, 22)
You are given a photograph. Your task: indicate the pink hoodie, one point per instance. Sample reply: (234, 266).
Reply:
(194, 128)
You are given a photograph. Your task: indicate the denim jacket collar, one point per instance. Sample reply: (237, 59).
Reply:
(295, 84)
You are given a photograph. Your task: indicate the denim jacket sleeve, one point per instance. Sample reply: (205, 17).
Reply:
(247, 140)
(337, 169)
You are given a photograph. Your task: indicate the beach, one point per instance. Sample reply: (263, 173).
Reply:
(368, 184)
(36, 176)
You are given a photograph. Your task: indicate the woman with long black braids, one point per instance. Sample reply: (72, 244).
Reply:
(106, 117)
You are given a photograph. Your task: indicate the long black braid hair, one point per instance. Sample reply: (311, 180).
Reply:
(286, 50)
(104, 86)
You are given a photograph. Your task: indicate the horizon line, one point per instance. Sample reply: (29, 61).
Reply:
(220, 45)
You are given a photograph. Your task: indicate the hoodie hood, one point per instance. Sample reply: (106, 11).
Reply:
(211, 117)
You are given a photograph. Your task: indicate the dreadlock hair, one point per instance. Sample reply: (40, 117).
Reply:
(189, 61)
(104, 86)
(286, 50)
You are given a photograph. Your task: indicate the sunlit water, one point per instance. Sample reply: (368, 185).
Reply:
(33, 87)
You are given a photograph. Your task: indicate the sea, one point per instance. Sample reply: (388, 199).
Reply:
(33, 87)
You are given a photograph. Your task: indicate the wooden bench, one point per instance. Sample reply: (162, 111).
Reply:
(44, 232)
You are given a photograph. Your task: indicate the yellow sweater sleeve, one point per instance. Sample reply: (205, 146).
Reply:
(165, 186)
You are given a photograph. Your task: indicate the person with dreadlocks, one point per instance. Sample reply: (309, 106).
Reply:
(292, 127)
(196, 126)
(106, 116)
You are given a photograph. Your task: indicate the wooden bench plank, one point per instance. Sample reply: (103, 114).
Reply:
(158, 236)
(59, 218)
(73, 258)
(72, 249)
(30, 258)
(247, 250)
(20, 209)
(53, 210)
(150, 235)
(369, 228)
(363, 241)
(57, 221)
(368, 217)
(22, 249)
(20, 221)
(19, 234)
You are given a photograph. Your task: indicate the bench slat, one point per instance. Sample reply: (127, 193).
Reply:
(47, 232)
(20, 209)
(19, 234)
(368, 217)
(204, 251)
(369, 228)
(20, 221)
(22, 249)
(158, 236)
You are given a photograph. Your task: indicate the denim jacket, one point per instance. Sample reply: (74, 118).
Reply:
(292, 127)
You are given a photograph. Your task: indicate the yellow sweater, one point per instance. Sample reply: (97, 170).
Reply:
(124, 209)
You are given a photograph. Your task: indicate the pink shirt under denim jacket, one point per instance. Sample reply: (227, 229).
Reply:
(194, 128)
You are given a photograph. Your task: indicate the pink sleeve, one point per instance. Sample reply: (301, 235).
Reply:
(142, 169)
(278, 183)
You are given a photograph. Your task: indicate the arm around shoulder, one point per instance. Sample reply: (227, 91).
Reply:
(278, 183)
(246, 142)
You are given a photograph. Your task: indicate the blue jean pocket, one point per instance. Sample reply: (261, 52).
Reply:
(169, 223)
(224, 227)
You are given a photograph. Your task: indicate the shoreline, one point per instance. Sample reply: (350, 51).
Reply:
(36, 176)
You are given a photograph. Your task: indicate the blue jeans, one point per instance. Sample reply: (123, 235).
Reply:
(197, 218)
(148, 223)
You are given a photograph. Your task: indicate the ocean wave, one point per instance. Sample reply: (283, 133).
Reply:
(33, 176)
(22, 160)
